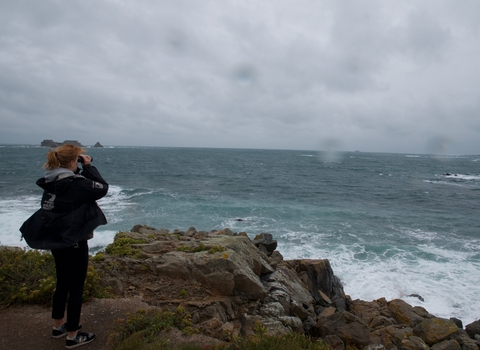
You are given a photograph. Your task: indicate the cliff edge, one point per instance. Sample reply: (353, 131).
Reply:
(230, 284)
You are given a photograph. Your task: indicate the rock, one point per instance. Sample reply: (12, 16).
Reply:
(369, 311)
(406, 314)
(308, 324)
(284, 286)
(329, 311)
(447, 345)
(231, 286)
(435, 330)
(98, 145)
(416, 296)
(392, 335)
(380, 322)
(321, 282)
(265, 243)
(348, 327)
(334, 342)
(415, 343)
(458, 322)
(53, 144)
(49, 143)
(464, 340)
(473, 328)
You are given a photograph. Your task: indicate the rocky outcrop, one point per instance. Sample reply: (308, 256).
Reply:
(231, 285)
(54, 144)
(98, 145)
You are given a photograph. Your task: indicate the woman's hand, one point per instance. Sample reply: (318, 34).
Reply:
(86, 159)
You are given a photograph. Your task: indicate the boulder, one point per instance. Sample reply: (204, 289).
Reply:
(406, 314)
(265, 243)
(334, 342)
(473, 328)
(415, 343)
(435, 330)
(392, 335)
(447, 345)
(320, 280)
(348, 327)
(464, 340)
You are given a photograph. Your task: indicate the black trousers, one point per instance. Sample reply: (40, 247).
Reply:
(71, 267)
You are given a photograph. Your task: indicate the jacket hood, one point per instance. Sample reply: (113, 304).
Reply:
(51, 175)
(48, 182)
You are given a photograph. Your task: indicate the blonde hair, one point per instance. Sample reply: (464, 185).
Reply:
(62, 156)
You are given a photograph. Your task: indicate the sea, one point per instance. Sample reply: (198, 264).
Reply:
(392, 225)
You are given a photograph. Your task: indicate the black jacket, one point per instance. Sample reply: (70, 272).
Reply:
(69, 212)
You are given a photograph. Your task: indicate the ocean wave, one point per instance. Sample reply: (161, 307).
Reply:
(13, 213)
(466, 177)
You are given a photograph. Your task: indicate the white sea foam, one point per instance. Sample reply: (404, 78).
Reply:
(13, 212)
(101, 239)
(446, 283)
(467, 177)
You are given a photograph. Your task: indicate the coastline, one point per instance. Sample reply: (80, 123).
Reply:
(228, 283)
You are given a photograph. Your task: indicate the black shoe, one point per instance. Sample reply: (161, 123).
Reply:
(61, 331)
(80, 339)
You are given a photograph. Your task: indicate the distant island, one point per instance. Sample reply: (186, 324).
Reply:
(53, 144)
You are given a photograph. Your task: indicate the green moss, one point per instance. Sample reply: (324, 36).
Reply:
(200, 248)
(122, 246)
(216, 249)
(183, 248)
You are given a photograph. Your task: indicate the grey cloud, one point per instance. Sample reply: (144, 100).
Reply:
(372, 76)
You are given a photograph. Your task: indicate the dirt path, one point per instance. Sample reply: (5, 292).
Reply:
(30, 327)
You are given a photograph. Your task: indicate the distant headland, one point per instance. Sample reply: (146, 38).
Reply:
(53, 144)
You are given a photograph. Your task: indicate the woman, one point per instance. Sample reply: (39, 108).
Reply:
(69, 203)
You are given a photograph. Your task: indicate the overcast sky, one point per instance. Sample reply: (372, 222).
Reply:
(373, 75)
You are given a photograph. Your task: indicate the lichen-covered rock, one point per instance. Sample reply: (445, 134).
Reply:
(406, 314)
(447, 345)
(435, 330)
(415, 343)
(392, 336)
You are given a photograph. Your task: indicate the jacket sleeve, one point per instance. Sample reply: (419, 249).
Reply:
(93, 187)
(90, 172)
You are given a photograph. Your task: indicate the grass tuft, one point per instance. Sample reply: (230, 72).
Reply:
(142, 330)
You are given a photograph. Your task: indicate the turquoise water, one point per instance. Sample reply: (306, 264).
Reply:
(390, 224)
